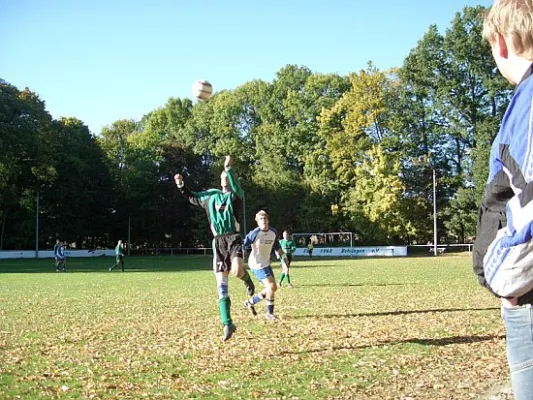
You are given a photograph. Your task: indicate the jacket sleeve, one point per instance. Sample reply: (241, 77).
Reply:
(488, 224)
(491, 218)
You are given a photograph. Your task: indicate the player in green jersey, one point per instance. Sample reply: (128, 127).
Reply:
(119, 256)
(288, 247)
(223, 208)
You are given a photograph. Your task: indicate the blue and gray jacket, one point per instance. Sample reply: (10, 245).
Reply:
(503, 251)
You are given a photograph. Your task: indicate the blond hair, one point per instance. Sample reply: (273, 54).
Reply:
(261, 213)
(513, 19)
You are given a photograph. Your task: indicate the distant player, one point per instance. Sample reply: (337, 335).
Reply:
(223, 208)
(61, 258)
(288, 247)
(310, 249)
(56, 247)
(262, 240)
(119, 256)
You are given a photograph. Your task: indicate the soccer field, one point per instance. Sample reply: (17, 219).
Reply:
(389, 328)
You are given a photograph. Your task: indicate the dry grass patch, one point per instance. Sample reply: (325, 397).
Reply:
(403, 328)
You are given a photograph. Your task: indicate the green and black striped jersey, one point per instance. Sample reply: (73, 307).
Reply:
(223, 209)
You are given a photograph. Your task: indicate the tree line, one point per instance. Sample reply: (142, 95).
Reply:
(320, 152)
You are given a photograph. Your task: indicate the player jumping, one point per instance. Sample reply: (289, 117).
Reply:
(223, 210)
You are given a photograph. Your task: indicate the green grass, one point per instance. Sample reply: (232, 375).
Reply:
(350, 329)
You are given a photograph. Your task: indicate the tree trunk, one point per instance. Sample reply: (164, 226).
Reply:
(4, 217)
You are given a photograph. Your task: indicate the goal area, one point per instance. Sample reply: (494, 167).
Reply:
(323, 239)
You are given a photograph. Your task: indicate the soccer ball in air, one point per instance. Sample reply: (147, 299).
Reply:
(202, 90)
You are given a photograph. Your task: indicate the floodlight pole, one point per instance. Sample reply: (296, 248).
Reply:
(37, 228)
(129, 234)
(244, 213)
(351, 244)
(434, 214)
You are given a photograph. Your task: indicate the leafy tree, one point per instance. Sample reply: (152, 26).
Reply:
(375, 198)
(353, 167)
(460, 221)
(116, 142)
(180, 223)
(75, 206)
(164, 125)
(449, 101)
(25, 166)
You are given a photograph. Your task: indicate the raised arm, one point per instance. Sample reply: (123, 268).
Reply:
(232, 178)
(199, 199)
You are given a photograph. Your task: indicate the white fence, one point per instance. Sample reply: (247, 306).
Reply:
(106, 252)
(444, 248)
(367, 251)
(50, 253)
(361, 251)
(187, 251)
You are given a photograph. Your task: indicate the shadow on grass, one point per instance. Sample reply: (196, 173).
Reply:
(388, 313)
(424, 342)
(350, 284)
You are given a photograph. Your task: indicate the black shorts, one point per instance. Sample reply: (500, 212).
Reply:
(225, 248)
(289, 258)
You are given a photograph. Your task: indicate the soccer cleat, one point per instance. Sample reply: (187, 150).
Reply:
(290, 286)
(228, 331)
(250, 288)
(270, 317)
(251, 307)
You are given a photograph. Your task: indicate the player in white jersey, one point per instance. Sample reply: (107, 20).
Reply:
(261, 241)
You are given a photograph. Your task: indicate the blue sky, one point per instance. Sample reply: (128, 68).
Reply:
(104, 60)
